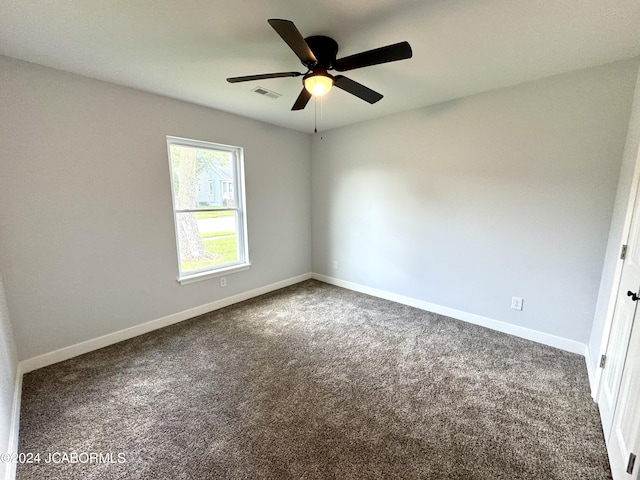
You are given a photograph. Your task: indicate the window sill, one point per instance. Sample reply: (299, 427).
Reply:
(201, 276)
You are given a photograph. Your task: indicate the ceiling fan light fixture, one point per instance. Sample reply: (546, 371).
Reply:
(318, 84)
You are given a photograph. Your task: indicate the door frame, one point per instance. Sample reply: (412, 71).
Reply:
(617, 276)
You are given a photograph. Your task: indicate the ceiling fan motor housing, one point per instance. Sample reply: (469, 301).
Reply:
(325, 50)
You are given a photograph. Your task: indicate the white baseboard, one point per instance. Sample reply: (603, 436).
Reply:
(522, 332)
(10, 468)
(94, 344)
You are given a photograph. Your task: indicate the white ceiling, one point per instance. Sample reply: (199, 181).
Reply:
(187, 48)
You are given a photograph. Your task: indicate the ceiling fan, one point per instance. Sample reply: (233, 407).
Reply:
(318, 54)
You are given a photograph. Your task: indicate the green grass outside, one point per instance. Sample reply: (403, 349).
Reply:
(204, 236)
(205, 215)
(224, 249)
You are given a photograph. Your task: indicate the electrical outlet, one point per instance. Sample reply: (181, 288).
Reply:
(223, 281)
(335, 264)
(516, 303)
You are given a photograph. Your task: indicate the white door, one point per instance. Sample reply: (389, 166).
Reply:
(624, 441)
(623, 319)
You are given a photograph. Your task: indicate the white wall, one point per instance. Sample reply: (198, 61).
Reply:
(619, 225)
(468, 203)
(462, 204)
(86, 223)
(8, 371)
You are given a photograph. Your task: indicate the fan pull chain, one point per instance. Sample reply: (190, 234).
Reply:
(315, 105)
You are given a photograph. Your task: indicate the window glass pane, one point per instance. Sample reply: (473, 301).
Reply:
(207, 239)
(200, 177)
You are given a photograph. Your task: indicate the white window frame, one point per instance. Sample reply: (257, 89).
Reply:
(242, 263)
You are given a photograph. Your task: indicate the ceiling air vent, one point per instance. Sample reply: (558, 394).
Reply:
(267, 93)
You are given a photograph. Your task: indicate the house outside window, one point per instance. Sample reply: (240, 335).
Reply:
(207, 186)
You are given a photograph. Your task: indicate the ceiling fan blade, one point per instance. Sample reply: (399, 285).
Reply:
(263, 76)
(357, 89)
(292, 37)
(390, 53)
(302, 100)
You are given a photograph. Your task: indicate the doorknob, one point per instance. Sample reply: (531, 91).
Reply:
(633, 296)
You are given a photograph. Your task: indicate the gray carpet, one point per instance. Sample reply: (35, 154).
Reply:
(315, 381)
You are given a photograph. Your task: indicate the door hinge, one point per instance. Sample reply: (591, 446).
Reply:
(623, 252)
(632, 461)
(603, 361)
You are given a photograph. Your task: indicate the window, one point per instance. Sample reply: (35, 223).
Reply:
(211, 232)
